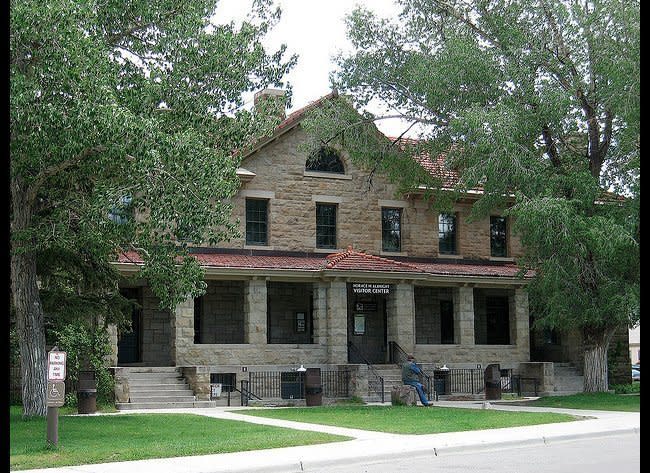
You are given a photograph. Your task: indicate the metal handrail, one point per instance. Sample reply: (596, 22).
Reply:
(246, 394)
(398, 356)
(371, 370)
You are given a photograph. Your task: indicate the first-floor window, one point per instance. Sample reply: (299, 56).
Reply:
(325, 225)
(391, 229)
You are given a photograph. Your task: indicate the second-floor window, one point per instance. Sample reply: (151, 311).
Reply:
(391, 229)
(447, 234)
(122, 211)
(257, 221)
(325, 159)
(325, 225)
(498, 237)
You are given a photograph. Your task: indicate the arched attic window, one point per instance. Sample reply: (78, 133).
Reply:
(325, 159)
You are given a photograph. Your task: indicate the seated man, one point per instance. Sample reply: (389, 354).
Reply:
(411, 375)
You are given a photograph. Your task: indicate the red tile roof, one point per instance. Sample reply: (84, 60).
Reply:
(348, 260)
(351, 260)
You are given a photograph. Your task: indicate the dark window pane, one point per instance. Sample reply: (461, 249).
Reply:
(256, 221)
(498, 320)
(446, 322)
(325, 160)
(325, 226)
(498, 239)
(447, 234)
(123, 211)
(391, 229)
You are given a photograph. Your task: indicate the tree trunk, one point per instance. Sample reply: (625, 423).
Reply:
(595, 362)
(28, 309)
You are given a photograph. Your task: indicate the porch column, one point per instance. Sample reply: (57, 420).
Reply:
(337, 323)
(401, 316)
(113, 340)
(182, 328)
(255, 312)
(464, 315)
(522, 323)
(320, 313)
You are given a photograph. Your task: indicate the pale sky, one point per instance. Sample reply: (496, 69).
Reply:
(315, 31)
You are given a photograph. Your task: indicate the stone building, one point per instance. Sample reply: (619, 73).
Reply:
(331, 274)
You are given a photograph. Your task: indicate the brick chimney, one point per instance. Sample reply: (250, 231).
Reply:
(278, 95)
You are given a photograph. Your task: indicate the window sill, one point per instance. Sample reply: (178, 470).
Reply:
(327, 175)
(328, 250)
(450, 256)
(393, 253)
(502, 258)
(258, 247)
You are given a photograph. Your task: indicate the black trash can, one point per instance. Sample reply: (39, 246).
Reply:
(492, 378)
(313, 387)
(441, 381)
(87, 393)
(86, 401)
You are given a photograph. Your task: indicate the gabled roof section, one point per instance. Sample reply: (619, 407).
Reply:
(290, 122)
(358, 261)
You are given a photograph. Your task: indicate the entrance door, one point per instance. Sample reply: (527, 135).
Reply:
(128, 344)
(367, 328)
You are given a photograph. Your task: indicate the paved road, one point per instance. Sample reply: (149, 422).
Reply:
(618, 453)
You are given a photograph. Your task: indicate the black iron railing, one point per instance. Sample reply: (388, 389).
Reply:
(375, 381)
(519, 385)
(291, 384)
(398, 356)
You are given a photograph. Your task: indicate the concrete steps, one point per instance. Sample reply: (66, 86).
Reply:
(159, 388)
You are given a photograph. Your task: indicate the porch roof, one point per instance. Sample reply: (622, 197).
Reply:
(348, 261)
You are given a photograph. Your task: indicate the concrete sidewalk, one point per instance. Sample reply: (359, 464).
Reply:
(367, 444)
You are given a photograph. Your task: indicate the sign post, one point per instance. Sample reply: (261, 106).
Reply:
(55, 392)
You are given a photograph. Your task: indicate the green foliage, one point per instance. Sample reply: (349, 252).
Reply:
(87, 347)
(124, 119)
(535, 103)
(632, 388)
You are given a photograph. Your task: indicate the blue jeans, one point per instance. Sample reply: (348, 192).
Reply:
(420, 389)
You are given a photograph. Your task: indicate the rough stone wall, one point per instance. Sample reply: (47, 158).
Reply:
(280, 173)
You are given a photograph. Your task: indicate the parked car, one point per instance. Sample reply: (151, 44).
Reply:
(636, 366)
(636, 375)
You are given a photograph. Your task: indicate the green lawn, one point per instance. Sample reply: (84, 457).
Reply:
(410, 420)
(592, 401)
(111, 438)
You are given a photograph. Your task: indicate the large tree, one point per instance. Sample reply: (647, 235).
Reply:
(124, 118)
(536, 103)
